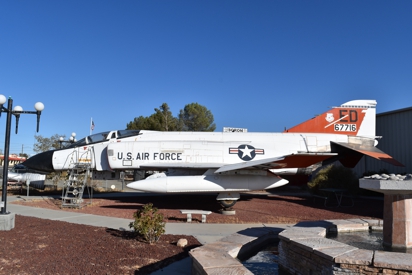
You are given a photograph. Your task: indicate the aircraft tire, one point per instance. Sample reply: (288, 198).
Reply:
(227, 203)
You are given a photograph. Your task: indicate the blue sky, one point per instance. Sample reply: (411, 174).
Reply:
(261, 65)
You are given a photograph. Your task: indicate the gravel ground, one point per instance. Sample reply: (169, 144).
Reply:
(37, 246)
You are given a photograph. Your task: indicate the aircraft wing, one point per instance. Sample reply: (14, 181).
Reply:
(300, 160)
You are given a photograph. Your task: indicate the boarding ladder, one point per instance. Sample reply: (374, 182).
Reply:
(72, 193)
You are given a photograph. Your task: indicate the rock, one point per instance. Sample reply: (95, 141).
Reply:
(181, 242)
(391, 176)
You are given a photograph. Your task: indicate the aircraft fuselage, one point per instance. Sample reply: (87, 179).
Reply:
(211, 150)
(226, 162)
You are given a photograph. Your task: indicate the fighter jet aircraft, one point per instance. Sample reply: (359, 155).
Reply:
(228, 163)
(35, 180)
(23, 175)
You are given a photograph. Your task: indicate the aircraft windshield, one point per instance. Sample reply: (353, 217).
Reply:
(90, 139)
(97, 137)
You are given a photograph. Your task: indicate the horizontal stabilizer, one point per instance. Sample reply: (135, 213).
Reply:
(290, 161)
(369, 150)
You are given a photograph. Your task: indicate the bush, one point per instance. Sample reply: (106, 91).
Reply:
(148, 223)
(333, 176)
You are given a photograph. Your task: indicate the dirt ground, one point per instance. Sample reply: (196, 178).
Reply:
(38, 246)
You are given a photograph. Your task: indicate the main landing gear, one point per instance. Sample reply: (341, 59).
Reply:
(227, 204)
(227, 201)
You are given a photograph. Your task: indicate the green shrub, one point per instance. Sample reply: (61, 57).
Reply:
(148, 223)
(334, 176)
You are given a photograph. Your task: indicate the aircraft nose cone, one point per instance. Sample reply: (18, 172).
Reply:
(41, 162)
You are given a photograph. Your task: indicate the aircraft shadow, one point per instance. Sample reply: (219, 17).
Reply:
(173, 201)
(368, 207)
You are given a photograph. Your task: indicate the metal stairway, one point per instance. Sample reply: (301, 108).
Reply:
(72, 193)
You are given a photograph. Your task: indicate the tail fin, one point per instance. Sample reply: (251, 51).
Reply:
(354, 118)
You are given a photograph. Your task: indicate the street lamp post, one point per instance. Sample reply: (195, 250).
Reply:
(72, 139)
(17, 111)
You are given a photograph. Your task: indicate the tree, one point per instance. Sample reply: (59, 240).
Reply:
(45, 144)
(139, 123)
(161, 120)
(195, 117)
(165, 118)
(24, 155)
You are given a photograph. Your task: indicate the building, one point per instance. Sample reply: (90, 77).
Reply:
(13, 159)
(395, 128)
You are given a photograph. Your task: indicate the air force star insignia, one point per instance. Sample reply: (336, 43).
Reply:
(246, 152)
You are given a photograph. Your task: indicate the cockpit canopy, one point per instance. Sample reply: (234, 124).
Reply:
(104, 136)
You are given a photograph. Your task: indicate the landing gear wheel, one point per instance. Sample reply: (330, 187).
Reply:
(227, 204)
